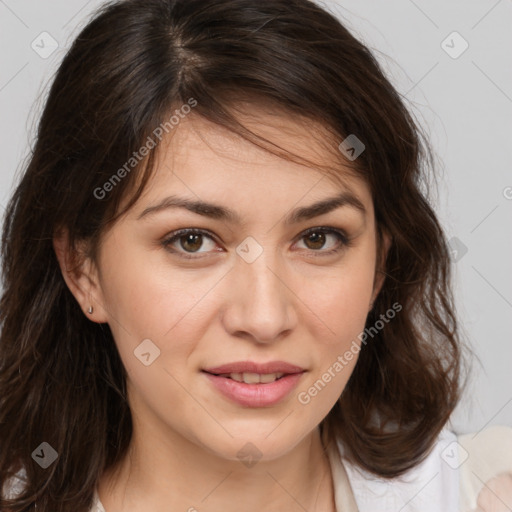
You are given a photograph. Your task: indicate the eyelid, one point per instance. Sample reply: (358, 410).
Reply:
(325, 229)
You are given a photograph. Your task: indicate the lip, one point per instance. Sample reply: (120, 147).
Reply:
(255, 395)
(253, 367)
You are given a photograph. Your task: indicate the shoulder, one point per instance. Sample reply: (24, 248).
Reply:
(16, 484)
(431, 486)
(446, 480)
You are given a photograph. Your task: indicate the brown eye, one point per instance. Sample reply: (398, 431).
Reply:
(187, 242)
(316, 239)
(191, 242)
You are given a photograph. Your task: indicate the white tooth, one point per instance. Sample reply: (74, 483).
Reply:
(268, 377)
(251, 378)
(236, 376)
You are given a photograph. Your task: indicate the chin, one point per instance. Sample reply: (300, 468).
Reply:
(255, 445)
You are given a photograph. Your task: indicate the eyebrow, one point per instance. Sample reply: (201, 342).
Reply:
(218, 212)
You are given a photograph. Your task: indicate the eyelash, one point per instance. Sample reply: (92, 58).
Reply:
(344, 240)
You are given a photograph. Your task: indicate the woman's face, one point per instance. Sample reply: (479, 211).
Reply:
(251, 287)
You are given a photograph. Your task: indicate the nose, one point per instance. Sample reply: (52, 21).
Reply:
(261, 304)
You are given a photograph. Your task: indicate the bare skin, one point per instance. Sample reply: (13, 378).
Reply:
(496, 495)
(293, 303)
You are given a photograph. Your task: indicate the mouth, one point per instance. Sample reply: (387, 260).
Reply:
(255, 385)
(279, 368)
(251, 378)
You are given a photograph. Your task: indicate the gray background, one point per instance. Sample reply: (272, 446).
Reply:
(462, 99)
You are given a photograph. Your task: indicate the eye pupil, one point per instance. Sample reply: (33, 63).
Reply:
(318, 239)
(192, 238)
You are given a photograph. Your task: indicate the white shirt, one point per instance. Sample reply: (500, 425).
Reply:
(448, 480)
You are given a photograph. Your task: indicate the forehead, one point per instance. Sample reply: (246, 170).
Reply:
(202, 159)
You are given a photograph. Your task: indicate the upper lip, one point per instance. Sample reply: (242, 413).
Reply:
(253, 367)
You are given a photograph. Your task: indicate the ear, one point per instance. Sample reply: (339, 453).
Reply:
(380, 275)
(81, 276)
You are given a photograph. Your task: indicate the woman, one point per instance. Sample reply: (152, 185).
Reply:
(224, 287)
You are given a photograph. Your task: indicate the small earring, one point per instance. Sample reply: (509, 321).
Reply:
(90, 310)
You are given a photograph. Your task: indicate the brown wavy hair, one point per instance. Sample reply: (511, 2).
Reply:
(61, 378)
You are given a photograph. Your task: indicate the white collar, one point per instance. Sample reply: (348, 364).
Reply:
(343, 495)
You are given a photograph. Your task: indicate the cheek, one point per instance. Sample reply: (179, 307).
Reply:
(343, 312)
(341, 305)
(148, 298)
(340, 296)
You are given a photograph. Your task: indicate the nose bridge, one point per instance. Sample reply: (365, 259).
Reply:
(262, 304)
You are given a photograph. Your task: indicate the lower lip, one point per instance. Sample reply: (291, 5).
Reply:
(255, 395)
